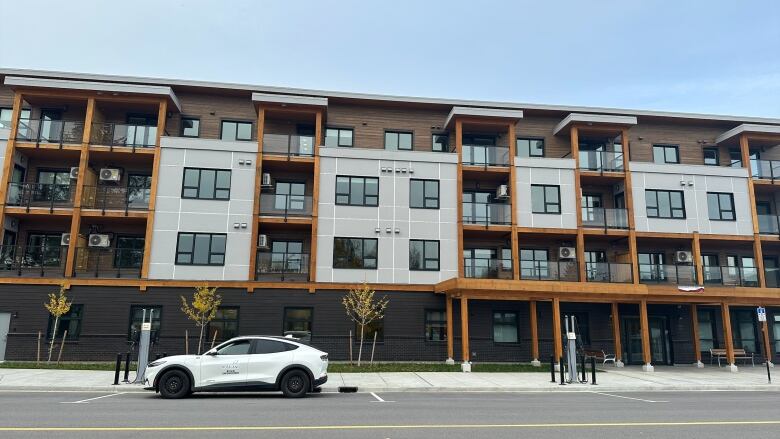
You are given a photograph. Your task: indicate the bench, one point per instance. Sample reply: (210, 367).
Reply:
(739, 354)
(599, 355)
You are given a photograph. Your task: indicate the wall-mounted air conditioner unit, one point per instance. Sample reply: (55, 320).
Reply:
(567, 253)
(65, 240)
(266, 182)
(110, 174)
(683, 257)
(99, 240)
(262, 241)
(502, 192)
(74, 173)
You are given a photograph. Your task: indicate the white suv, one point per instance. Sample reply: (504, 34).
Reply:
(252, 363)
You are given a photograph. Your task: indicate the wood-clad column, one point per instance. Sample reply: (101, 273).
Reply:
(696, 247)
(464, 328)
(556, 323)
(695, 335)
(744, 149)
(459, 147)
(75, 222)
(315, 198)
(534, 333)
(575, 153)
(161, 119)
(726, 317)
(616, 335)
(514, 201)
(647, 356)
(628, 195)
(256, 200)
(450, 335)
(9, 154)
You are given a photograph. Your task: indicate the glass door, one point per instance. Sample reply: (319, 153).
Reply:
(595, 266)
(744, 330)
(141, 130)
(772, 272)
(660, 346)
(51, 120)
(591, 209)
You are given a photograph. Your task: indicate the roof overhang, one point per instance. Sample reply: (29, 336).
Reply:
(285, 100)
(111, 88)
(593, 119)
(749, 129)
(487, 113)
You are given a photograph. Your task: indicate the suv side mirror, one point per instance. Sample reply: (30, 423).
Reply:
(212, 353)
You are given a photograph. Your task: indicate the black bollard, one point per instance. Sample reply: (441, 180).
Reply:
(116, 370)
(563, 377)
(127, 368)
(593, 371)
(552, 369)
(582, 364)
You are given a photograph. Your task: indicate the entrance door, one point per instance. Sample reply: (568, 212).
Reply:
(591, 209)
(660, 347)
(5, 323)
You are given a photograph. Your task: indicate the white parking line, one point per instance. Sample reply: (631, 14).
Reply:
(92, 399)
(378, 399)
(626, 397)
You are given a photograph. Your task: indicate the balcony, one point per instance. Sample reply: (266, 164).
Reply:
(273, 266)
(765, 169)
(123, 135)
(32, 261)
(730, 276)
(772, 276)
(566, 271)
(482, 155)
(487, 213)
(288, 145)
(611, 272)
(41, 195)
(601, 218)
(667, 274)
(769, 224)
(285, 206)
(488, 268)
(115, 198)
(108, 262)
(601, 161)
(59, 132)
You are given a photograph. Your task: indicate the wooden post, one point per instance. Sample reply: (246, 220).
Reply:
(616, 334)
(534, 332)
(162, 114)
(214, 339)
(62, 345)
(459, 147)
(513, 200)
(647, 357)
(256, 201)
(697, 259)
(758, 257)
(75, 224)
(556, 322)
(726, 317)
(695, 332)
(464, 325)
(450, 335)
(315, 198)
(575, 153)
(5, 178)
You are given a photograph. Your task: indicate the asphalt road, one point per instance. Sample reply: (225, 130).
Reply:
(392, 415)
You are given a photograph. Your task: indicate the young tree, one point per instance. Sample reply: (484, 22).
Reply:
(57, 306)
(363, 309)
(203, 308)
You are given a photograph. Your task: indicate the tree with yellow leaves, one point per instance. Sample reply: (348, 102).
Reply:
(57, 306)
(203, 308)
(363, 309)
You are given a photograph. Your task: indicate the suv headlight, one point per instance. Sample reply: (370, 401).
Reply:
(156, 363)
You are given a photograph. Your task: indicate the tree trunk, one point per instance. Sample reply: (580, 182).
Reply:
(53, 336)
(360, 350)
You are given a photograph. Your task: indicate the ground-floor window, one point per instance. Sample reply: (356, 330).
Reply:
(225, 323)
(744, 330)
(708, 332)
(70, 322)
(505, 327)
(776, 330)
(298, 321)
(136, 318)
(435, 325)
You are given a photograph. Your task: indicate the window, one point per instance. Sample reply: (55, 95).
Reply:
(137, 317)
(225, 323)
(665, 204)
(201, 249)
(776, 331)
(435, 325)
(530, 147)
(721, 206)
(44, 250)
(287, 257)
(441, 143)
(238, 347)
(53, 185)
(5, 119)
(206, 184)
(357, 191)
(505, 327)
(355, 253)
(744, 330)
(424, 194)
(265, 346)
(711, 156)
(666, 154)
(708, 332)
(423, 255)
(190, 127)
(534, 264)
(139, 190)
(298, 322)
(398, 140)
(129, 251)
(545, 199)
(234, 130)
(377, 326)
(290, 196)
(335, 137)
(70, 322)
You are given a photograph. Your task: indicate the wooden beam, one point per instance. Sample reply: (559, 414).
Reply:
(75, 223)
(575, 153)
(258, 187)
(514, 202)
(695, 332)
(758, 256)
(162, 113)
(634, 253)
(556, 323)
(726, 317)
(616, 332)
(9, 155)
(534, 330)
(464, 328)
(646, 353)
(450, 334)
(744, 149)
(315, 203)
(696, 247)
(459, 148)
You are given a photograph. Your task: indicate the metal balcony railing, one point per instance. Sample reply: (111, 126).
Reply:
(115, 198)
(612, 272)
(488, 268)
(108, 262)
(40, 195)
(282, 266)
(32, 261)
(549, 270)
(283, 205)
(288, 144)
(487, 213)
(601, 161)
(123, 135)
(673, 274)
(50, 131)
(605, 218)
(765, 169)
(730, 276)
(482, 155)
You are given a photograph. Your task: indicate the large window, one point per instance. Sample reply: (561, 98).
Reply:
(206, 184)
(398, 140)
(224, 324)
(339, 137)
(666, 154)
(129, 251)
(505, 327)
(357, 191)
(721, 206)
(545, 199)
(201, 249)
(708, 332)
(423, 255)
(530, 147)
(298, 321)
(355, 253)
(236, 130)
(711, 156)
(424, 194)
(53, 185)
(290, 196)
(137, 317)
(665, 204)
(440, 143)
(44, 250)
(435, 325)
(190, 127)
(70, 322)
(534, 263)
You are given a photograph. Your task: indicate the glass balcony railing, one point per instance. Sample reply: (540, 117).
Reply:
(765, 169)
(549, 270)
(769, 224)
(481, 155)
(40, 195)
(32, 261)
(289, 145)
(601, 161)
(605, 218)
(282, 266)
(488, 268)
(772, 277)
(284, 205)
(115, 198)
(108, 262)
(611, 272)
(123, 135)
(730, 276)
(672, 274)
(50, 131)
(487, 213)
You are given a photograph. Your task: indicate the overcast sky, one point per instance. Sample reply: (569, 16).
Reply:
(707, 56)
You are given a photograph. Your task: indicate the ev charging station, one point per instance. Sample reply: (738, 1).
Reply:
(143, 346)
(571, 348)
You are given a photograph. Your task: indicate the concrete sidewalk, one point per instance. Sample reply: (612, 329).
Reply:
(612, 379)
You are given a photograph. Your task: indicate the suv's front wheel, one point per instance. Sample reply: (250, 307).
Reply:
(174, 384)
(295, 384)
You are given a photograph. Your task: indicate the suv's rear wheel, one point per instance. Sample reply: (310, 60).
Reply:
(174, 384)
(295, 384)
